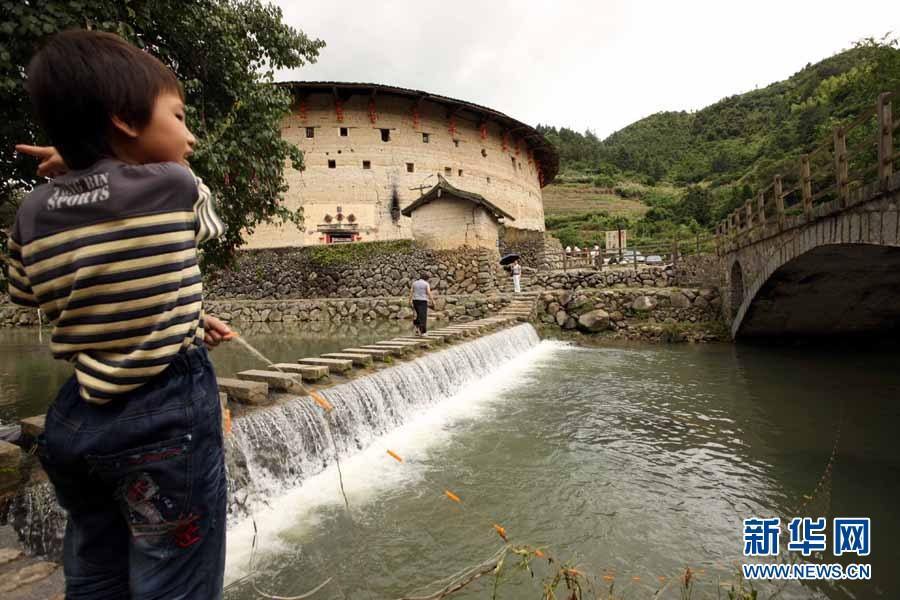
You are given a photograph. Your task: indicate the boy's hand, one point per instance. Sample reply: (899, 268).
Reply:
(51, 165)
(215, 331)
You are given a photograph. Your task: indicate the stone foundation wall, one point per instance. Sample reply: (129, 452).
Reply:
(529, 245)
(447, 308)
(699, 270)
(630, 313)
(361, 270)
(592, 278)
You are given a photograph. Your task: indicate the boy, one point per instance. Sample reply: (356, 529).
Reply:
(108, 250)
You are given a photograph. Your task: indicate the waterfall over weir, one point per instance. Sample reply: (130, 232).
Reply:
(279, 447)
(276, 448)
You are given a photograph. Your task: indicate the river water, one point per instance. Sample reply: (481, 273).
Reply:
(630, 462)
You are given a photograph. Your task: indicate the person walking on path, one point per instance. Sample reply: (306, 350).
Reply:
(517, 276)
(421, 298)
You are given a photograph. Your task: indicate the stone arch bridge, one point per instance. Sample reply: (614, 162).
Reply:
(837, 273)
(830, 267)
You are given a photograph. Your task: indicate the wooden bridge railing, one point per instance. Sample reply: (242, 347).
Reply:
(858, 153)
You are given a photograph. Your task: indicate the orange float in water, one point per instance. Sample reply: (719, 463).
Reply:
(501, 532)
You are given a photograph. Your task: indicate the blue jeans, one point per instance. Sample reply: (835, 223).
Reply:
(143, 482)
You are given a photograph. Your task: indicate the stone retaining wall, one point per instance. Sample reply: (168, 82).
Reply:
(333, 310)
(613, 278)
(700, 270)
(531, 246)
(376, 269)
(447, 308)
(639, 313)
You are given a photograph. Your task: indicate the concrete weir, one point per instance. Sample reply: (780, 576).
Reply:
(279, 436)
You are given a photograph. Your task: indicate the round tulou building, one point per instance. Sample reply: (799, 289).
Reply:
(387, 163)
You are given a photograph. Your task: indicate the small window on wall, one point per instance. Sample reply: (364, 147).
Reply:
(410, 168)
(448, 171)
(385, 135)
(513, 159)
(459, 173)
(345, 132)
(488, 179)
(484, 152)
(310, 132)
(426, 138)
(456, 143)
(367, 164)
(332, 164)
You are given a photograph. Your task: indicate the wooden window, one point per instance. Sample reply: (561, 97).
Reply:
(426, 137)
(410, 168)
(385, 135)
(345, 132)
(310, 132)
(367, 164)
(332, 164)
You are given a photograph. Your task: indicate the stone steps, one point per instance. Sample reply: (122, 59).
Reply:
(419, 341)
(244, 392)
(379, 355)
(276, 380)
(336, 365)
(411, 345)
(395, 350)
(306, 372)
(358, 359)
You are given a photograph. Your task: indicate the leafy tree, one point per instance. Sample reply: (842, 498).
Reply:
(223, 51)
(695, 206)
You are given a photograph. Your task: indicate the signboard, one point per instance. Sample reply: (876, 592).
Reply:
(612, 240)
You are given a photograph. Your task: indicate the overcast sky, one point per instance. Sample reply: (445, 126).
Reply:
(586, 65)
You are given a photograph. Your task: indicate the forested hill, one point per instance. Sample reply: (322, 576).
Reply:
(733, 144)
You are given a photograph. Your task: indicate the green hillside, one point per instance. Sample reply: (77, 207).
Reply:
(732, 147)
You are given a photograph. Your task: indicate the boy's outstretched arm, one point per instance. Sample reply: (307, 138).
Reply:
(51, 165)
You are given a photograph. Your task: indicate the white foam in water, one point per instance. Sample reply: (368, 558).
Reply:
(490, 366)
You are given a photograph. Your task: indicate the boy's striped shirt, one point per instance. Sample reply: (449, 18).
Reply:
(109, 254)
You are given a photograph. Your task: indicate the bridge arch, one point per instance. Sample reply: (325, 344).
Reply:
(831, 289)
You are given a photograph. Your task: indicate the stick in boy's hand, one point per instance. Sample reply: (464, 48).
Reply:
(215, 331)
(51, 165)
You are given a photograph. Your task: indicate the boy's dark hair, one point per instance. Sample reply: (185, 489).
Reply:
(80, 79)
(424, 276)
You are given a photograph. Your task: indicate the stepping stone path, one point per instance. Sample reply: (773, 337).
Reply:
(350, 362)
